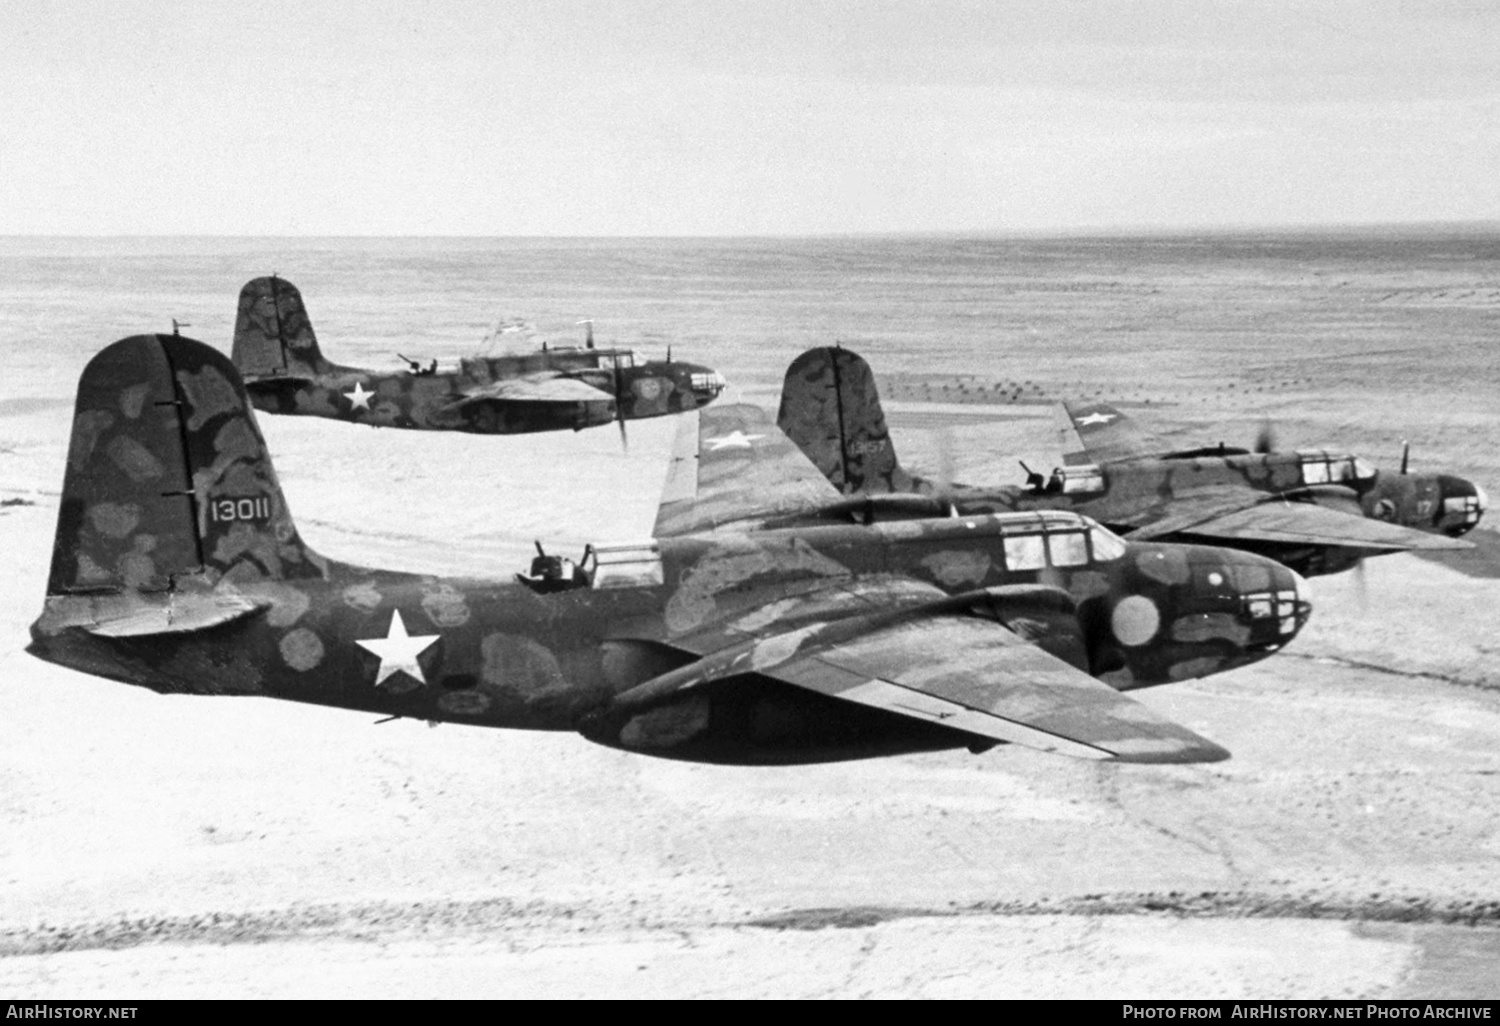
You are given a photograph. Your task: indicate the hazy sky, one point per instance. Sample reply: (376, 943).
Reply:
(659, 117)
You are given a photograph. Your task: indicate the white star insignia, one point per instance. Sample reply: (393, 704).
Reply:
(359, 399)
(734, 440)
(1097, 418)
(398, 651)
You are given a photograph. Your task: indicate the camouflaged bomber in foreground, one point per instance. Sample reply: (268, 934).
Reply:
(1317, 512)
(557, 389)
(177, 567)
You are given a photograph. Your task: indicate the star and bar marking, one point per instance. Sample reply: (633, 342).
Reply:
(358, 398)
(734, 440)
(1096, 418)
(398, 650)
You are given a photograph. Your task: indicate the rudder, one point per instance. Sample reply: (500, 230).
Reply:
(273, 336)
(830, 407)
(168, 476)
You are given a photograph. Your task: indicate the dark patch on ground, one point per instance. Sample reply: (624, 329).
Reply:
(16, 502)
(379, 921)
(855, 917)
(1375, 908)
(357, 922)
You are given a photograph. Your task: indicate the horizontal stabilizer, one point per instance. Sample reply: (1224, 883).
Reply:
(135, 615)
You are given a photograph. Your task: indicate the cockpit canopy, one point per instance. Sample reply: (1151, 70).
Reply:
(1322, 467)
(1034, 541)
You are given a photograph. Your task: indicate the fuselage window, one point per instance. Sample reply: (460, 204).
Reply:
(1025, 552)
(1069, 548)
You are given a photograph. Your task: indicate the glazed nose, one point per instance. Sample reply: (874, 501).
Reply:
(1276, 605)
(1301, 601)
(708, 382)
(1464, 502)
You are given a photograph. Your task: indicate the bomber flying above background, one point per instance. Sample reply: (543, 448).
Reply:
(1315, 511)
(729, 637)
(551, 389)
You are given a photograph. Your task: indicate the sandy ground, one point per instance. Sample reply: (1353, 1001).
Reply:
(174, 846)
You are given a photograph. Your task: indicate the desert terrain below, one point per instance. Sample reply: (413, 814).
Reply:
(179, 846)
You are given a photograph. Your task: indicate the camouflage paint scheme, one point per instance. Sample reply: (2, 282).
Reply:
(177, 567)
(1316, 512)
(554, 389)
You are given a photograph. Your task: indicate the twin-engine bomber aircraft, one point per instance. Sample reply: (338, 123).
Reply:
(177, 567)
(1317, 512)
(552, 389)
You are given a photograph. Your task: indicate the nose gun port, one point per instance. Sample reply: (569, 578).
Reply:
(1276, 614)
(1464, 503)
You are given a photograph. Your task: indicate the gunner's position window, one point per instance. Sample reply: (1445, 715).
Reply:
(1082, 480)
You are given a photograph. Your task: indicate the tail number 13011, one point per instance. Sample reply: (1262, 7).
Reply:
(225, 510)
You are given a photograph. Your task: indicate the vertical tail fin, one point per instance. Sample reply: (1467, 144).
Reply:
(168, 477)
(273, 336)
(830, 408)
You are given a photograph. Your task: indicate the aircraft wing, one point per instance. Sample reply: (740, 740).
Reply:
(935, 662)
(1099, 433)
(533, 388)
(1225, 514)
(1306, 523)
(733, 465)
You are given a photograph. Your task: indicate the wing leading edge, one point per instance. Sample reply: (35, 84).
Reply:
(1295, 523)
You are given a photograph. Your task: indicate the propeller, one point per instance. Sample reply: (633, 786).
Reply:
(944, 481)
(940, 486)
(619, 396)
(1265, 439)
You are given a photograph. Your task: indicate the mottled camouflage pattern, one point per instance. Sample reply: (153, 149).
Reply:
(213, 592)
(1257, 502)
(567, 388)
